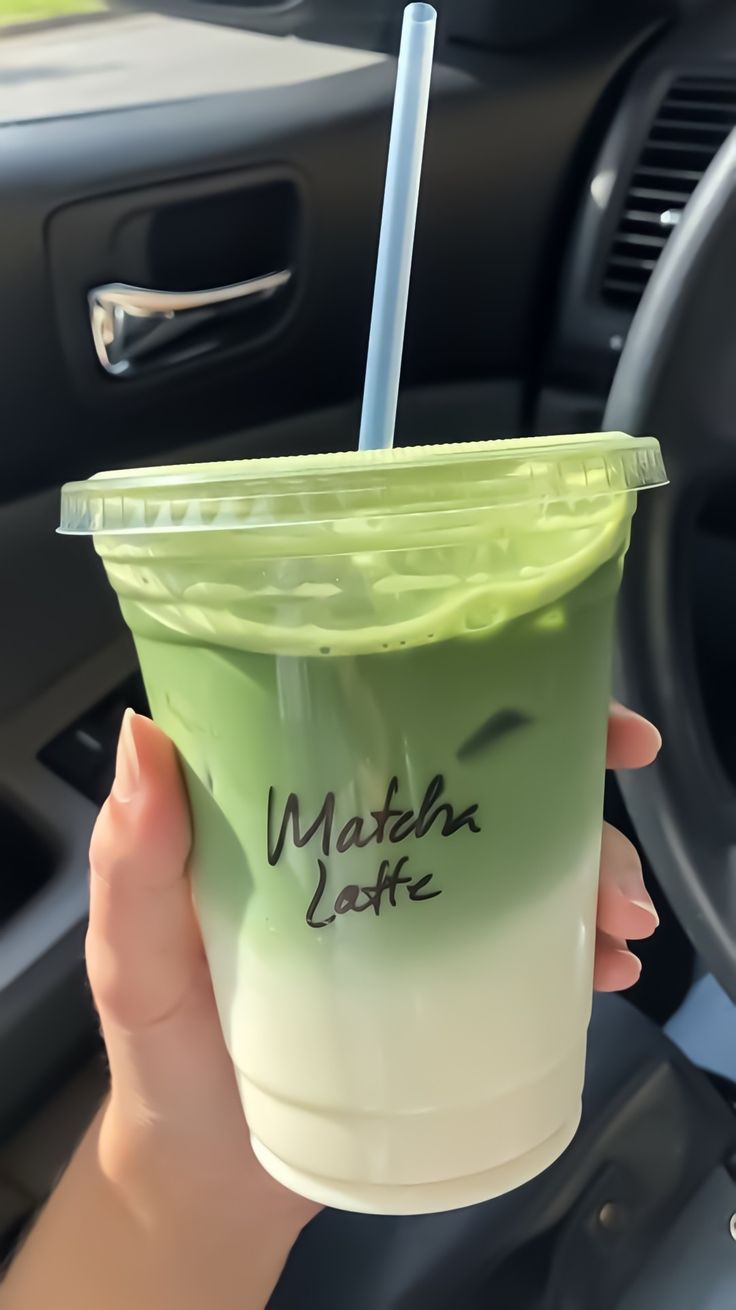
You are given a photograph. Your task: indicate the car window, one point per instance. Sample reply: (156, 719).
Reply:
(113, 59)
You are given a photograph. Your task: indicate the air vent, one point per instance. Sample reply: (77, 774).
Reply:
(693, 121)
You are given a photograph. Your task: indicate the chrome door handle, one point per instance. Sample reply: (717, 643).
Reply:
(131, 324)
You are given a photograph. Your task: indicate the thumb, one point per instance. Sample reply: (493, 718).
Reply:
(145, 959)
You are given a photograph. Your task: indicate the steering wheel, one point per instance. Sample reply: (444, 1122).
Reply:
(677, 380)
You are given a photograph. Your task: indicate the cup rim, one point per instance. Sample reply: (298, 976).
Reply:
(305, 490)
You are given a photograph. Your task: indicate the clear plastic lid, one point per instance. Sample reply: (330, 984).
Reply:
(303, 490)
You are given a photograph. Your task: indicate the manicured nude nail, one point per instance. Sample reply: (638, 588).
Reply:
(644, 903)
(626, 969)
(127, 767)
(623, 712)
(626, 712)
(639, 914)
(631, 886)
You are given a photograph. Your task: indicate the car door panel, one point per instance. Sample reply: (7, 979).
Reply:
(80, 197)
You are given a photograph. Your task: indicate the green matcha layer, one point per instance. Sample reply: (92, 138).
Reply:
(512, 721)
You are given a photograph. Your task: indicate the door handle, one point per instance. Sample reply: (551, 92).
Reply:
(132, 325)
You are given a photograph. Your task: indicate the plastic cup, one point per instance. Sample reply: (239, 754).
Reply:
(388, 676)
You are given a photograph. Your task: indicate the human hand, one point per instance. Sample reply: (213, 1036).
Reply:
(625, 908)
(174, 1133)
(164, 1206)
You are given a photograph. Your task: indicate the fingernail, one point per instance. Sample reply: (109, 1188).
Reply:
(655, 731)
(636, 962)
(631, 964)
(624, 712)
(638, 897)
(127, 766)
(633, 890)
(645, 903)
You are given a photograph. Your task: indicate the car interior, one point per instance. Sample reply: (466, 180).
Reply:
(191, 194)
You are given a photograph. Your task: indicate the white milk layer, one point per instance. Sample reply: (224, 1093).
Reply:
(436, 1084)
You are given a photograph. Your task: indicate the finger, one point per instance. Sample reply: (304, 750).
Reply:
(625, 908)
(616, 967)
(143, 943)
(144, 953)
(633, 741)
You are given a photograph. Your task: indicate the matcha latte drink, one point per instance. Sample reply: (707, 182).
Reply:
(387, 675)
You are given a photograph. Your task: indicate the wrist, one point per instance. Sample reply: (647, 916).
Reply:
(125, 1228)
(176, 1183)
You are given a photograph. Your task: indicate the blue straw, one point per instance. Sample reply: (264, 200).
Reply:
(393, 270)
